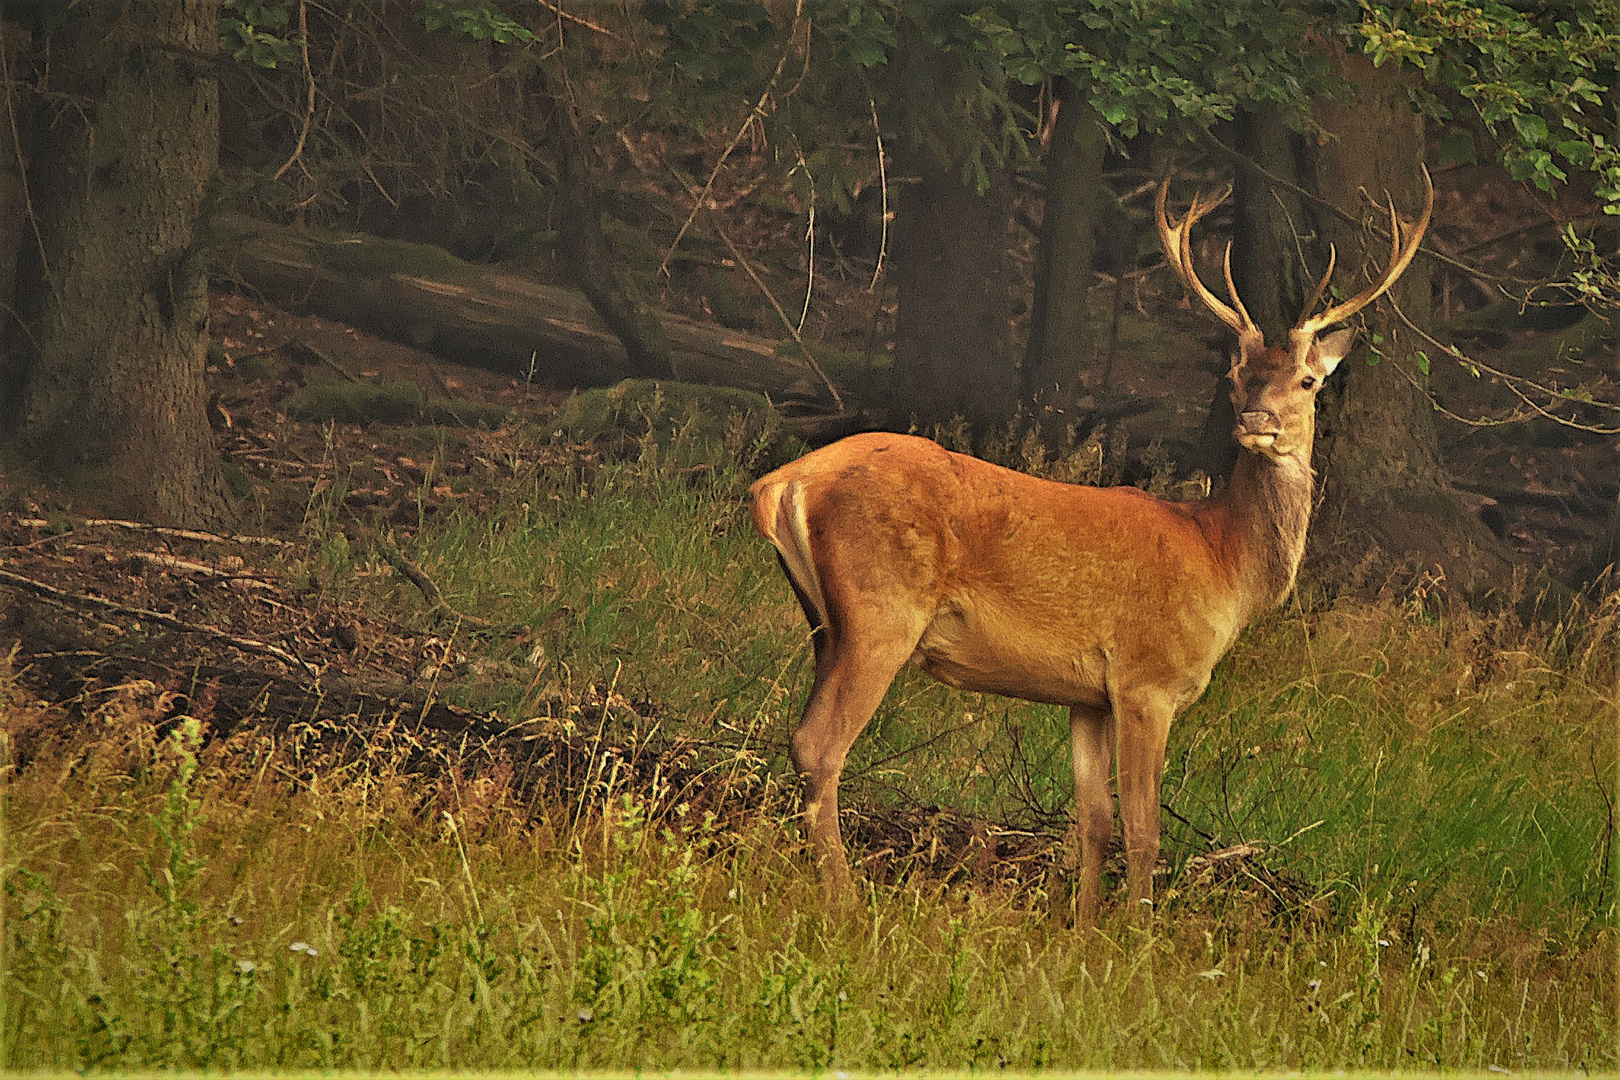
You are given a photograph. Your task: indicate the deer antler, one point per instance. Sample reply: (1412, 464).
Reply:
(1175, 237)
(1400, 256)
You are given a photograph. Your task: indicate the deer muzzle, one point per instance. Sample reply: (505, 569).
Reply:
(1258, 428)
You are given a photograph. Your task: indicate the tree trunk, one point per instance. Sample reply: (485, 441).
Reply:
(582, 242)
(1606, 563)
(1386, 505)
(115, 298)
(953, 343)
(948, 258)
(14, 41)
(1270, 227)
(1061, 338)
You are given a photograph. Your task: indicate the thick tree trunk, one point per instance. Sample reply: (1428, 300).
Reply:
(1605, 567)
(1271, 226)
(1061, 337)
(1386, 503)
(115, 299)
(953, 343)
(953, 354)
(588, 258)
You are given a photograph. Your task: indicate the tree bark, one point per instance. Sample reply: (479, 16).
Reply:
(582, 243)
(953, 344)
(1061, 336)
(1386, 503)
(953, 354)
(114, 299)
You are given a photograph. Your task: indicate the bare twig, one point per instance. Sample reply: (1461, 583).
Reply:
(78, 601)
(1507, 379)
(166, 561)
(755, 115)
(810, 243)
(297, 155)
(838, 399)
(161, 530)
(1248, 163)
(424, 584)
(883, 193)
(22, 165)
(325, 358)
(586, 23)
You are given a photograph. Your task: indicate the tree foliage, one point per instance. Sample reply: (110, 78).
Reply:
(1536, 79)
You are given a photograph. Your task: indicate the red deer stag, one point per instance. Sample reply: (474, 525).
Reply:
(1107, 600)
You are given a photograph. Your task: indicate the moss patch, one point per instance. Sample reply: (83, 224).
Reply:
(373, 257)
(355, 403)
(384, 403)
(863, 378)
(696, 424)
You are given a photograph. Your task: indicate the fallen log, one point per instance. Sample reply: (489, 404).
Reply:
(483, 316)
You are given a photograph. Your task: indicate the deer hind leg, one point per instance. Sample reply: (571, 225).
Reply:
(852, 676)
(1091, 731)
(1143, 723)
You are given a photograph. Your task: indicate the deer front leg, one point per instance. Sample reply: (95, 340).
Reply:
(1143, 722)
(1091, 731)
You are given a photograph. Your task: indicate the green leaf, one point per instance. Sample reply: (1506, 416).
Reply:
(1457, 148)
(867, 52)
(1574, 151)
(1422, 359)
(1115, 112)
(1532, 129)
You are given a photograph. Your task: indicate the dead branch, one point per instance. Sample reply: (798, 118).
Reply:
(186, 566)
(78, 601)
(161, 530)
(424, 584)
(755, 115)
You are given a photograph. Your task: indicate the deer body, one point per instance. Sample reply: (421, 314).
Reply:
(1013, 580)
(1106, 600)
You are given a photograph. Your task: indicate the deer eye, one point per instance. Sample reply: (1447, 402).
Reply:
(1308, 382)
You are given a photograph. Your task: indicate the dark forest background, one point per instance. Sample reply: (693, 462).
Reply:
(947, 204)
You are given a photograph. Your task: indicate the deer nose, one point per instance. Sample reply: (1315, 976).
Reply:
(1260, 422)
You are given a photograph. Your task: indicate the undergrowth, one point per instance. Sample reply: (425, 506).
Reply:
(1444, 783)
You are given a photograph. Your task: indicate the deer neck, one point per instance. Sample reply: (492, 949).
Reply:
(1264, 514)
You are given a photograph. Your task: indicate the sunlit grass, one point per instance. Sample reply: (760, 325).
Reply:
(1441, 783)
(1455, 760)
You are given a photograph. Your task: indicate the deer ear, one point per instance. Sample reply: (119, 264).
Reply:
(1331, 348)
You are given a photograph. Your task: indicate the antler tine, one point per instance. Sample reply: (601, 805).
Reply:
(1176, 239)
(1401, 256)
(1237, 301)
(1321, 286)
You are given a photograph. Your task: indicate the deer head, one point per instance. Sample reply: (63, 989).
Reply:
(1273, 388)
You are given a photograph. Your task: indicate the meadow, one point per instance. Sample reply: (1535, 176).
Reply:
(1436, 783)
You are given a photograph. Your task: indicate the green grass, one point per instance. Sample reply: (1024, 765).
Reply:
(1440, 783)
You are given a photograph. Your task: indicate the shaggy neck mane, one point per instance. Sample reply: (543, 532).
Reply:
(1264, 514)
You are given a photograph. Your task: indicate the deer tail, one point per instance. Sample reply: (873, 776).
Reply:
(779, 511)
